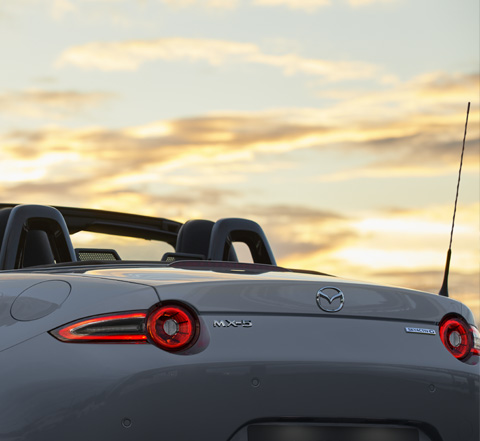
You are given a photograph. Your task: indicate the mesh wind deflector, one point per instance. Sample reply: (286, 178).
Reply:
(84, 254)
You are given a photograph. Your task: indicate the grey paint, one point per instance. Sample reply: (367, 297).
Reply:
(40, 300)
(87, 298)
(295, 363)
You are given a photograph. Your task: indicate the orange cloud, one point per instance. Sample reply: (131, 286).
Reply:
(425, 142)
(130, 55)
(36, 103)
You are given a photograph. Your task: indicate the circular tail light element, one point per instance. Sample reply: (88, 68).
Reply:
(459, 337)
(172, 327)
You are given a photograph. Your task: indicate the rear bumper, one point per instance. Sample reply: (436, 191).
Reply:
(52, 390)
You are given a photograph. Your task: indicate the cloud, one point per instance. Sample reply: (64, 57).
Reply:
(37, 103)
(306, 5)
(385, 239)
(34, 191)
(231, 145)
(293, 214)
(59, 8)
(313, 5)
(130, 55)
(358, 3)
(417, 156)
(208, 4)
(416, 127)
(299, 233)
(227, 148)
(191, 139)
(434, 93)
(222, 4)
(379, 245)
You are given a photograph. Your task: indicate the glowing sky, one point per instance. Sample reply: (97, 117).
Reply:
(336, 124)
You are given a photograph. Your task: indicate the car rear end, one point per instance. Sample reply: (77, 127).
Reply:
(238, 353)
(388, 365)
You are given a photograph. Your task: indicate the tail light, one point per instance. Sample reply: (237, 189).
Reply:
(113, 328)
(172, 327)
(461, 339)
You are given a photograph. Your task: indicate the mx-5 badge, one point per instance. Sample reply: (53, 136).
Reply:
(232, 323)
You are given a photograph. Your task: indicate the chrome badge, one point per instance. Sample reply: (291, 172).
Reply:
(421, 331)
(325, 301)
(232, 323)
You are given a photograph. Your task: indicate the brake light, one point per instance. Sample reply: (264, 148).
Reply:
(172, 327)
(476, 340)
(461, 339)
(114, 328)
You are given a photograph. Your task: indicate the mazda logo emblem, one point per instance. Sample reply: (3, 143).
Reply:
(330, 303)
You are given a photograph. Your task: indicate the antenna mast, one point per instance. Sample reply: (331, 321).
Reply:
(444, 288)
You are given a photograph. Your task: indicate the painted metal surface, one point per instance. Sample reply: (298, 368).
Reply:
(277, 359)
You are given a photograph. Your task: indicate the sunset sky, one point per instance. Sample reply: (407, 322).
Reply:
(335, 124)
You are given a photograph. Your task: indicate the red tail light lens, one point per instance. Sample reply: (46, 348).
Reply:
(461, 339)
(114, 328)
(172, 327)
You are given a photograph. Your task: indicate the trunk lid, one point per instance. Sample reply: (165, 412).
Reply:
(236, 290)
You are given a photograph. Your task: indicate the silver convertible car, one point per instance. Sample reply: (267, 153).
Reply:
(197, 346)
